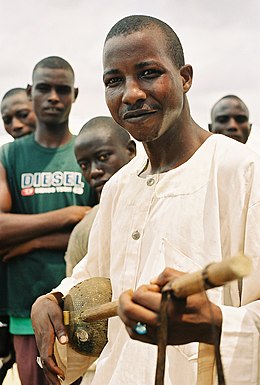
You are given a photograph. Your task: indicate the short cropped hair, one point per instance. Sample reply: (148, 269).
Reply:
(54, 62)
(135, 23)
(229, 97)
(14, 91)
(108, 123)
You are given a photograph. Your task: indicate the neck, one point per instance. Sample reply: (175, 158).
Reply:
(175, 147)
(52, 135)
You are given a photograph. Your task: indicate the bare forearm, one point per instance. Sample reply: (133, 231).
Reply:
(56, 241)
(18, 228)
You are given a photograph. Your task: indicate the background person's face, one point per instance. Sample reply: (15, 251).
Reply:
(100, 154)
(52, 95)
(230, 118)
(17, 114)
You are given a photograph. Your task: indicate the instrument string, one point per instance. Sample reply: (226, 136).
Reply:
(216, 342)
(162, 334)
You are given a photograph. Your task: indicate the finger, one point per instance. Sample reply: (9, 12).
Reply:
(150, 287)
(141, 314)
(148, 296)
(150, 337)
(54, 368)
(7, 257)
(166, 275)
(5, 251)
(48, 362)
(59, 328)
(125, 304)
(131, 312)
(46, 348)
(52, 371)
(56, 319)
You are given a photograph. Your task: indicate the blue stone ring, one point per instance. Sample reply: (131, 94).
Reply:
(140, 328)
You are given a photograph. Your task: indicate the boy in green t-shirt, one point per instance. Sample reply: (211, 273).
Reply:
(42, 196)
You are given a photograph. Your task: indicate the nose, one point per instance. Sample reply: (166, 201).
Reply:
(133, 92)
(53, 96)
(232, 125)
(96, 171)
(17, 125)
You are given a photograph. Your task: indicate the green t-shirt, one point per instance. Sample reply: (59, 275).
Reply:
(3, 288)
(40, 179)
(21, 326)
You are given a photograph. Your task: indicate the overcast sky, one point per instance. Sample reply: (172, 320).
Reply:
(221, 40)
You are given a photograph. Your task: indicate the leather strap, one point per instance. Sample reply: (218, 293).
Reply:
(162, 335)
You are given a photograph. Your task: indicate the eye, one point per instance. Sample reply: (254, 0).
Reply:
(103, 157)
(42, 87)
(112, 82)
(85, 166)
(7, 119)
(64, 90)
(222, 119)
(241, 119)
(22, 114)
(150, 73)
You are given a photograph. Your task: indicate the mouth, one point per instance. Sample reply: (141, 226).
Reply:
(52, 110)
(98, 186)
(235, 137)
(18, 134)
(138, 114)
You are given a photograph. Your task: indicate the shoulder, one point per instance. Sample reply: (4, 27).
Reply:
(71, 142)
(224, 144)
(20, 142)
(229, 154)
(124, 177)
(88, 219)
(119, 186)
(11, 151)
(130, 170)
(238, 168)
(85, 224)
(78, 241)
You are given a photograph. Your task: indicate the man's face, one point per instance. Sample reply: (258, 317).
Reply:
(52, 95)
(230, 118)
(17, 114)
(100, 154)
(143, 87)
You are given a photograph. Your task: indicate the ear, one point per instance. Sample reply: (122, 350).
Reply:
(76, 92)
(131, 147)
(29, 91)
(210, 127)
(250, 126)
(186, 73)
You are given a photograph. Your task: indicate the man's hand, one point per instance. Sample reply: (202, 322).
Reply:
(74, 214)
(189, 319)
(12, 252)
(18, 228)
(55, 241)
(47, 321)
